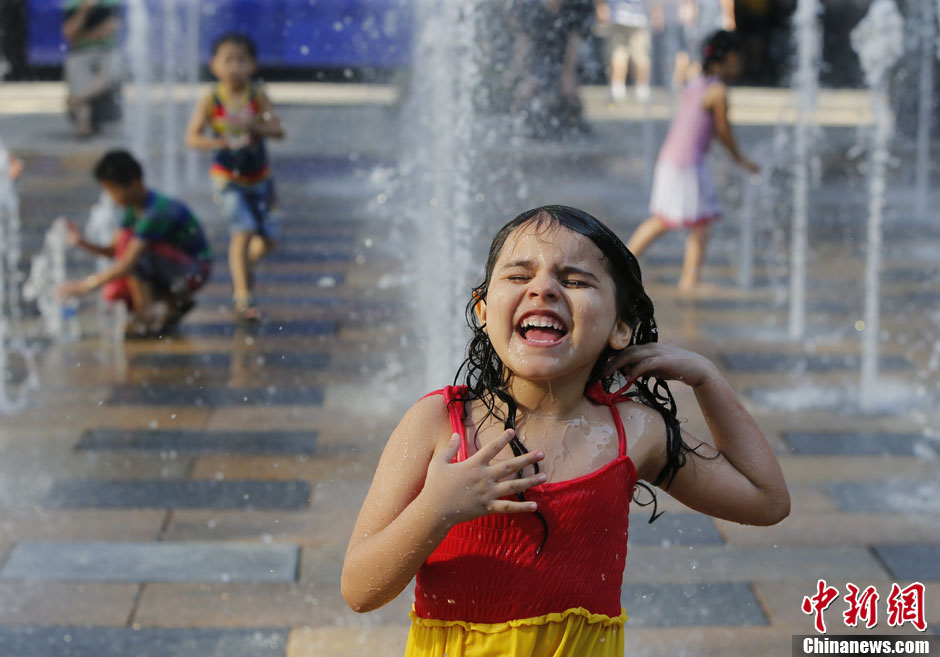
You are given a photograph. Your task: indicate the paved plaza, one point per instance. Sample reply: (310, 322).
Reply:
(192, 496)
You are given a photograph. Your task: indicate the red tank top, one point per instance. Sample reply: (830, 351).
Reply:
(490, 569)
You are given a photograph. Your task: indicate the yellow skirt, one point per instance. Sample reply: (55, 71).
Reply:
(571, 632)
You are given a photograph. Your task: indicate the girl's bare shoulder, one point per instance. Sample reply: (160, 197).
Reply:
(640, 421)
(645, 431)
(426, 422)
(716, 91)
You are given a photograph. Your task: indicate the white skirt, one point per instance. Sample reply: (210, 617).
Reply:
(684, 195)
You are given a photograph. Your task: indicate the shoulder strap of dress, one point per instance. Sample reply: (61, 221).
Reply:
(598, 395)
(216, 99)
(454, 401)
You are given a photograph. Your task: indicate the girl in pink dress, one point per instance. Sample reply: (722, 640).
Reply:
(683, 193)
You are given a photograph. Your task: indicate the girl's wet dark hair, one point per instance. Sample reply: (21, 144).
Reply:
(488, 380)
(118, 167)
(236, 39)
(719, 45)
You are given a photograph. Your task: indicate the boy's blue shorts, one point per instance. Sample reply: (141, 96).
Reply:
(248, 207)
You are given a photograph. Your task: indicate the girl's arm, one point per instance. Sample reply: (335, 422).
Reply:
(73, 25)
(74, 238)
(739, 479)
(717, 102)
(417, 495)
(122, 267)
(269, 124)
(727, 15)
(197, 125)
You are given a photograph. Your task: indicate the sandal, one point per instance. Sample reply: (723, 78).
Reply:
(179, 309)
(135, 329)
(246, 310)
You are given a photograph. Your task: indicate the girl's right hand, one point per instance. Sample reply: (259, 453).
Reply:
(72, 235)
(750, 165)
(474, 487)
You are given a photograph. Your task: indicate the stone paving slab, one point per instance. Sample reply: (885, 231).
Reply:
(289, 328)
(244, 442)
(30, 470)
(910, 275)
(330, 463)
(322, 304)
(852, 443)
(274, 359)
(147, 642)
(348, 641)
(66, 603)
(299, 257)
(814, 469)
(318, 279)
(37, 524)
(684, 605)
(837, 529)
(308, 527)
(188, 395)
(179, 494)
(249, 604)
(674, 529)
(771, 362)
(97, 414)
(151, 562)
(911, 562)
(902, 496)
(813, 305)
(653, 565)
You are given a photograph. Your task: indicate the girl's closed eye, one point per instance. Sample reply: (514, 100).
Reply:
(573, 282)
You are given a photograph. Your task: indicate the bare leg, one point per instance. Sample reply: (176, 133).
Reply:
(258, 247)
(144, 320)
(238, 264)
(81, 110)
(645, 234)
(680, 72)
(694, 254)
(619, 64)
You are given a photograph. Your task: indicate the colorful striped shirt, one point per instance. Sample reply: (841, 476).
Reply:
(166, 220)
(247, 165)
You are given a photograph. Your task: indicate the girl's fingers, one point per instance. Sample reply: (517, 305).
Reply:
(447, 451)
(630, 355)
(510, 467)
(513, 486)
(506, 506)
(494, 447)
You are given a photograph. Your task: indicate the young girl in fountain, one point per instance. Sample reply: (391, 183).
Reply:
(161, 254)
(508, 496)
(683, 193)
(240, 117)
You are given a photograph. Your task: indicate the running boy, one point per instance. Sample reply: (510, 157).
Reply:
(161, 255)
(240, 117)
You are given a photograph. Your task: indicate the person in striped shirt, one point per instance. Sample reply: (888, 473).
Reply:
(239, 116)
(160, 251)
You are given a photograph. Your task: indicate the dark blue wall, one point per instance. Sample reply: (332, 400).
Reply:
(289, 33)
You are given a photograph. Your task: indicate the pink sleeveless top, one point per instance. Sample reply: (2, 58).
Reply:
(491, 569)
(693, 127)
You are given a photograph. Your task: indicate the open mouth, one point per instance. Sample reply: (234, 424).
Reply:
(541, 329)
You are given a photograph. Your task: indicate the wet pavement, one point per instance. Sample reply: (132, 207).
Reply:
(193, 495)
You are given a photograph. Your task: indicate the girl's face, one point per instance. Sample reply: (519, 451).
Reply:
(731, 66)
(550, 307)
(232, 64)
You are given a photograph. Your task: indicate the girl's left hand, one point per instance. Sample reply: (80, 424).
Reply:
(662, 361)
(72, 289)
